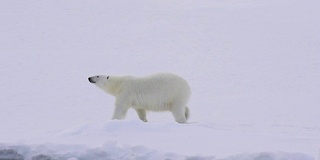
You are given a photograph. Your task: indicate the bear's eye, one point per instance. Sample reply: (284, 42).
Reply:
(98, 76)
(108, 77)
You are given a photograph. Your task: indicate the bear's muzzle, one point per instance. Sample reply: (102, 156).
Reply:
(91, 80)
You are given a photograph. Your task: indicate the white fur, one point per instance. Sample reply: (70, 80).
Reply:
(159, 92)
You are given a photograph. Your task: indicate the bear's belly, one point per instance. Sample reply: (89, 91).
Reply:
(151, 106)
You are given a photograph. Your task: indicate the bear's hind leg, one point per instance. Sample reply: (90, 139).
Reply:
(187, 112)
(142, 114)
(179, 114)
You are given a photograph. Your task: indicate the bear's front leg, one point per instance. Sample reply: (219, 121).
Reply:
(119, 113)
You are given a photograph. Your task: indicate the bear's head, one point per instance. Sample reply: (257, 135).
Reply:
(97, 80)
(102, 82)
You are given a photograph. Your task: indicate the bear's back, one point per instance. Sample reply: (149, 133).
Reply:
(162, 82)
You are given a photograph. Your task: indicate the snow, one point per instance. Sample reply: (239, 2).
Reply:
(253, 67)
(128, 140)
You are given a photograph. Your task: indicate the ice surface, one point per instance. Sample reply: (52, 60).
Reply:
(253, 67)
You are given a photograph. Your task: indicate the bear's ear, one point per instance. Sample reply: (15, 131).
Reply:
(107, 77)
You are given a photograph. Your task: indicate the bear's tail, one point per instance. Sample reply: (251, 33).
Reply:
(186, 113)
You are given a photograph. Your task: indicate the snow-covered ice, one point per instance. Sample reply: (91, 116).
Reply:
(132, 139)
(253, 67)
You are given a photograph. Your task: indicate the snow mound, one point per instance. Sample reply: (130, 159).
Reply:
(112, 151)
(270, 156)
(133, 139)
(71, 152)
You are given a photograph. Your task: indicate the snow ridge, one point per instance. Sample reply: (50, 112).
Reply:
(112, 152)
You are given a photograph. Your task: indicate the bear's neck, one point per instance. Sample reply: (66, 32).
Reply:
(116, 86)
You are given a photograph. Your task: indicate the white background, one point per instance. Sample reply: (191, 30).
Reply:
(253, 66)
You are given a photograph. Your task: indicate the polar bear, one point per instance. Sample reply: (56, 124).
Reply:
(158, 92)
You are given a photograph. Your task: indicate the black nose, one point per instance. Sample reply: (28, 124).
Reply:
(91, 80)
